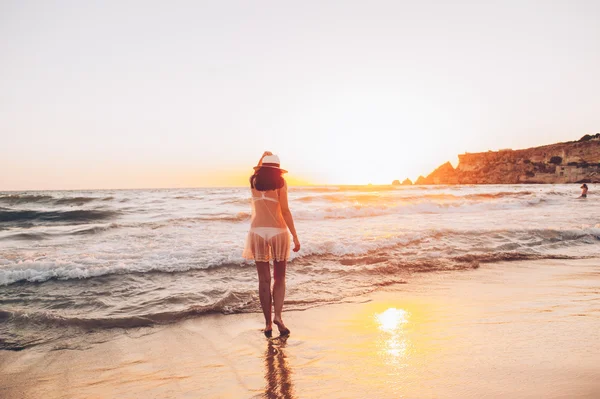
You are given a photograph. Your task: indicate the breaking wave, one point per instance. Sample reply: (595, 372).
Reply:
(525, 244)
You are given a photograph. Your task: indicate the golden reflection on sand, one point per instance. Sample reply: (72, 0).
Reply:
(277, 372)
(392, 319)
(394, 342)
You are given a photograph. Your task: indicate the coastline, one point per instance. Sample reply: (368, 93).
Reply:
(517, 329)
(559, 163)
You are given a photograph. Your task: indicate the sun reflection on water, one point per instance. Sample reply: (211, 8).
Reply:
(392, 321)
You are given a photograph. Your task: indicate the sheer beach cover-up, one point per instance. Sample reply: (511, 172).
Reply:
(268, 238)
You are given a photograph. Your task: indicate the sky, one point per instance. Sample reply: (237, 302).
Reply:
(137, 94)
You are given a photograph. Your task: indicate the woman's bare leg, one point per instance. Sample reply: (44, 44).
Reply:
(279, 292)
(264, 291)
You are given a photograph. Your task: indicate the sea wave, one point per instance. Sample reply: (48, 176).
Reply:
(74, 200)
(45, 199)
(73, 260)
(27, 236)
(363, 188)
(375, 264)
(402, 197)
(42, 269)
(74, 216)
(380, 272)
(231, 302)
(40, 235)
(16, 199)
(189, 197)
(357, 210)
(502, 194)
(219, 217)
(238, 201)
(423, 248)
(351, 210)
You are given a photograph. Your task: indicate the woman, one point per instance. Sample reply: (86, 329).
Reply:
(268, 238)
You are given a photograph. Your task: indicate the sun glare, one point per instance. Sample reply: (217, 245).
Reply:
(392, 319)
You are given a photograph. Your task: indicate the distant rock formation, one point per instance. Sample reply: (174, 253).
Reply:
(406, 182)
(570, 162)
(421, 180)
(444, 174)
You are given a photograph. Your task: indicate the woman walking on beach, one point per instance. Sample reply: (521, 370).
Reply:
(268, 238)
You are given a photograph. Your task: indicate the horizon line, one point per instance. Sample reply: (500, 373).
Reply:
(197, 187)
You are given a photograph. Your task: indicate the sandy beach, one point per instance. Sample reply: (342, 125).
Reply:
(517, 329)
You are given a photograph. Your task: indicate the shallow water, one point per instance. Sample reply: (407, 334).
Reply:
(88, 260)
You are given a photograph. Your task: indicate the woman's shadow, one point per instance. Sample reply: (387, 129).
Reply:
(277, 372)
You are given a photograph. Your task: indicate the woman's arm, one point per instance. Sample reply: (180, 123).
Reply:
(287, 215)
(263, 155)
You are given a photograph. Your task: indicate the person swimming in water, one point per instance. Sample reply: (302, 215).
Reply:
(269, 239)
(584, 190)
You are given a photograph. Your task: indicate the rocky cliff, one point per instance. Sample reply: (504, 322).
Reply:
(570, 162)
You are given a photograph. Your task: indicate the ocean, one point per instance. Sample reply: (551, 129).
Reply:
(76, 263)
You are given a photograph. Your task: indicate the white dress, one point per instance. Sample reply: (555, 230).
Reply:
(268, 238)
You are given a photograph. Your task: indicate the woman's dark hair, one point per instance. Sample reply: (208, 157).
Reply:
(265, 179)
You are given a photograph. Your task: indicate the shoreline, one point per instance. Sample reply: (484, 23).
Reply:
(511, 329)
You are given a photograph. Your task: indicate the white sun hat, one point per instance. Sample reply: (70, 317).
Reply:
(270, 161)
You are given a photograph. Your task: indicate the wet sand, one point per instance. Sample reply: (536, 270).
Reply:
(518, 330)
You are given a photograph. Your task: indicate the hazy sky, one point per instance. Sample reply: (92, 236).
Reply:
(116, 94)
